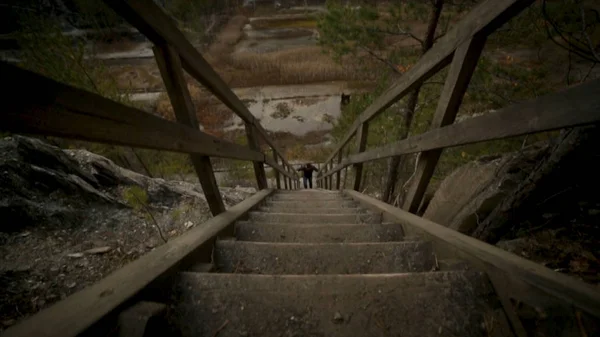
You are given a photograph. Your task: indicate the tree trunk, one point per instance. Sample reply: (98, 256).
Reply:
(394, 163)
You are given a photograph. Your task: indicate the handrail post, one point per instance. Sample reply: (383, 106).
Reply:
(460, 73)
(285, 182)
(361, 141)
(330, 181)
(259, 168)
(339, 172)
(169, 64)
(277, 178)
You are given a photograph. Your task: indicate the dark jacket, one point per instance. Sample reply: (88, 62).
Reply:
(308, 170)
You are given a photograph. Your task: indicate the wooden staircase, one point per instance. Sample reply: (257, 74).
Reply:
(312, 263)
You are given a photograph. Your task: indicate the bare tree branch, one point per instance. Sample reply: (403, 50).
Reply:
(381, 59)
(569, 45)
(586, 35)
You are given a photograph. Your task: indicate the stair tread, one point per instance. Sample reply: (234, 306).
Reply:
(311, 204)
(311, 232)
(411, 304)
(314, 218)
(312, 210)
(323, 258)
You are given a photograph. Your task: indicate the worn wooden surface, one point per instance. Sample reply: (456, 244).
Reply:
(60, 110)
(76, 313)
(576, 106)
(169, 65)
(486, 17)
(459, 75)
(277, 178)
(338, 173)
(259, 169)
(159, 28)
(361, 144)
(553, 284)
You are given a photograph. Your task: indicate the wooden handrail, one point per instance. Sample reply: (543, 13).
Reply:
(461, 70)
(169, 65)
(491, 259)
(483, 19)
(78, 312)
(61, 110)
(157, 26)
(576, 106)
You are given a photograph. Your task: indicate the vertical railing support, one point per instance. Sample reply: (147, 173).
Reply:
(169, 64)
(338, 174)
(361, 144)
(462, 68)
(259, 168)
(277, 178)
(330, 178)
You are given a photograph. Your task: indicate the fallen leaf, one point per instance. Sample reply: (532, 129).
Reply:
(98, 250)
(75, 255)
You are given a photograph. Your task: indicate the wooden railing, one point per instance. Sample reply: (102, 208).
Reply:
(513, 277)
(52, 108)
(461, 47)
(58, 109)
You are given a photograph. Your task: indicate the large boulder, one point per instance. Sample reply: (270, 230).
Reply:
(468, 195)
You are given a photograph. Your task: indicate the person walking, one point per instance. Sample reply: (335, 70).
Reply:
(308, 170)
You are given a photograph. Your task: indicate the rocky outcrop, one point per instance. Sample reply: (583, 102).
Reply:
(65, 221)
(42, 184)
(542, 204)
(467, 196)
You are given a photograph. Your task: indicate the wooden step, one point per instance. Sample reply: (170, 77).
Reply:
(307, 196)
(460, 304)
(314, 218)
(294, 204)
(318, 233)
(313, 210)
(323, 258)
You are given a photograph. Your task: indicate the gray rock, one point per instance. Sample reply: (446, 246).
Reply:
(468, 195)
(42, 184)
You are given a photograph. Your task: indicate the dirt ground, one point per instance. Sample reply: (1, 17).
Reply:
(72, 222)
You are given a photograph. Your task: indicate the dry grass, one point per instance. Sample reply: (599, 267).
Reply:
(128, 77)
(294, 66)
(213, 115)
(284, 23)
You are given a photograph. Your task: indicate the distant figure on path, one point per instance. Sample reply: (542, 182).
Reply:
(345, 100)
(308, 170)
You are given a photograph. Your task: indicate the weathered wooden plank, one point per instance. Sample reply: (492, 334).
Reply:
(277, 179)
(361, 141)
(576, 106)
(157, 26)
(72, 316)
(338, 173)
(459, 75)
(500, 284)
(259, 169)
(169, 65)
(555, 285)
(484, 18)
(60, 110)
